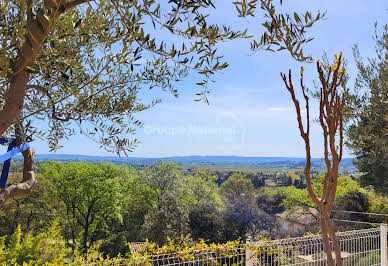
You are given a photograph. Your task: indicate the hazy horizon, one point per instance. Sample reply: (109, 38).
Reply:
(194, 155)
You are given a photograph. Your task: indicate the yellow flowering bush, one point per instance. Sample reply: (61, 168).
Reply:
(27, 249)
(185, 250)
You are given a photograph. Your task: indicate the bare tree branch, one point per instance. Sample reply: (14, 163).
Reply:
(305, 135)
(54, 114)
(331, 104)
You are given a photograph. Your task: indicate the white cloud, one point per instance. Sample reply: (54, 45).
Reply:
(277, 109)
(248, 90)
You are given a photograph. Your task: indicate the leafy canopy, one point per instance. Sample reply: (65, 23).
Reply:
(368, 127)
(91, 195)
(100, 55)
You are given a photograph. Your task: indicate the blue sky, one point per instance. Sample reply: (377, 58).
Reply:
(250, 111)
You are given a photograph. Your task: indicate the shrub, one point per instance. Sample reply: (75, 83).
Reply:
(114, 245)
(183, 250)
(44, 247)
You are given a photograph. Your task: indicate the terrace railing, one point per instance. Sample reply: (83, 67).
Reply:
(358, 248)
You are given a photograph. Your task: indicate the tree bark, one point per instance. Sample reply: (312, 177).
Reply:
(326, 241)
(14, 101)
(28, 181)
(38, 27)
(85, 240)
(334, 238)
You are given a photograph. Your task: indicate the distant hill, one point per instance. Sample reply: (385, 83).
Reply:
(238, 161)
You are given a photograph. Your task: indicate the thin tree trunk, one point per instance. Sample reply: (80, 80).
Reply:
(334, 238)
(326, 241)
(328, 231)
(85, 240)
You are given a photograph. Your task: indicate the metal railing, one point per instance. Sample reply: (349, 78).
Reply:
(358, 248)
(228, 256)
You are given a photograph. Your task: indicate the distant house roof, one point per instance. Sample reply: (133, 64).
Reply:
(137, 247)
(269, 183)
(300, 217)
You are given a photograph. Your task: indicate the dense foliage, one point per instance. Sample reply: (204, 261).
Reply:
(98, 208)
(350, 197)
(368, 131)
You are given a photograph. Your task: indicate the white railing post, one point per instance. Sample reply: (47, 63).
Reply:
(248, 252)
(384, 243)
